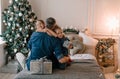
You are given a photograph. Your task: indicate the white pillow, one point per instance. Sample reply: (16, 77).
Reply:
(89, 42)
(78, 57)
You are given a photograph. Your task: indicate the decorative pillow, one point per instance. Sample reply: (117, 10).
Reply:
(89, 42)
(77, 41)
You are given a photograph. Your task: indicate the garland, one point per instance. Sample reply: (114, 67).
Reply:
(71, 30)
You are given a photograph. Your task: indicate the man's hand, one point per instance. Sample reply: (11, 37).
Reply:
(64, 59)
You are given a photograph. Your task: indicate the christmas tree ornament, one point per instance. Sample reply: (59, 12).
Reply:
(12, 13)
(7, 35)
(25, 38)
(20, 29)
(13, 28)
(10, 1)
(5, 12)
(8, 11)
(9, 24)
(20, 14)
(32, 28)
(11, 19)
(15, 50)
(25, 41)
(15, 7)
(18, 35)
(10, 40)
(31, 20)
(12, 31)
(16, 0)
(5, 24)
(23, 45)
(26, 27)
(3, 21)
(20, 4)
(27, 35)
(17, 24)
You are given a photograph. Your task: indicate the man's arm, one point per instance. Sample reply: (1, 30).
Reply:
(59, 53)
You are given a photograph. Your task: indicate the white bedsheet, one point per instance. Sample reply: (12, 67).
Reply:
(82, 56)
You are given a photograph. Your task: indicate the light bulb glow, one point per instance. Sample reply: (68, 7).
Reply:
(112, 22)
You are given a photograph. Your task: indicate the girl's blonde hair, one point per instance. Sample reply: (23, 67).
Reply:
(57, 27)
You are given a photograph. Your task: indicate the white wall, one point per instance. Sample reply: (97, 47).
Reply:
(4, 4)
(66, 12)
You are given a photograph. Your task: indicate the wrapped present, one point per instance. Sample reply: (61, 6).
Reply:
(41, 66)
(47, 67)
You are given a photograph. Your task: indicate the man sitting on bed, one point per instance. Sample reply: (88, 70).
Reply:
(41, 44)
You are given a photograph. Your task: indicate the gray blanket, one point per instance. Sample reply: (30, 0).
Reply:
(84, 69)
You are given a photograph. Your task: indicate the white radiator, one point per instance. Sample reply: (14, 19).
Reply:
(2, 53)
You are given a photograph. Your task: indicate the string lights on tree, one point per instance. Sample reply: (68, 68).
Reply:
(19, 21)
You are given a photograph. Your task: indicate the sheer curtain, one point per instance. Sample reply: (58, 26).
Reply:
(0, 16)
(119, 44)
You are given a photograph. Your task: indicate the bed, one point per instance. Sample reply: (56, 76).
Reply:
(84, 65)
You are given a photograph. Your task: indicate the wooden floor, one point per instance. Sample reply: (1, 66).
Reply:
(11, 76)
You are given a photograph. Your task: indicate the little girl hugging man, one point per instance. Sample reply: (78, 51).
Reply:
(58, 33)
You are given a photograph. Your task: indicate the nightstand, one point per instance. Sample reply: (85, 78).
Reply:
(105, 54)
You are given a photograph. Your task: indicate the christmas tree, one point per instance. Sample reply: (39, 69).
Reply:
(19, 21)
